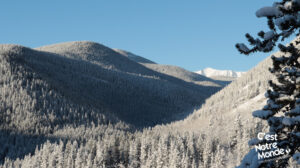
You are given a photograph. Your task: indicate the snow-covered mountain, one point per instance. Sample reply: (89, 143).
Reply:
(84, 93)
(176, 71)
(125, 76)
(210, 72)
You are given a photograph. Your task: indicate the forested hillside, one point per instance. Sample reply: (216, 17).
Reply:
(240, 97)
(57, 106)
(133, 92)
(235, 102)
(53, 115)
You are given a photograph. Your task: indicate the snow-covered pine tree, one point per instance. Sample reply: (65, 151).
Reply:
(282, 111)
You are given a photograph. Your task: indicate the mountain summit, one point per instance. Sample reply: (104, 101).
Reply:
(210, 72)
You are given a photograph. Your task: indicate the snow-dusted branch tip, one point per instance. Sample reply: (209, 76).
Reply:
(268, 11)
(242, 47)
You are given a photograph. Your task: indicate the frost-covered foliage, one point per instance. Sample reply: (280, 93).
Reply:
(111, 146)
(283, 20)
(78, 107)
(38, 135)
(269, 11)
(217, 115)
(282, 109)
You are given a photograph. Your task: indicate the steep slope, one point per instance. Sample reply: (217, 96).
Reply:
(241, 97)
(33, 108)
(133, 92)
(232, 108)
(226, 117)
(32, 99)
(134, 57)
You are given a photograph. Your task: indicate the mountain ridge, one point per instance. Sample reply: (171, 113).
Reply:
(211, 72)
(115, 74)
(176, 71)
(134, 57)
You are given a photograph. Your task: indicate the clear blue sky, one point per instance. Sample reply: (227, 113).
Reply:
(193, 34)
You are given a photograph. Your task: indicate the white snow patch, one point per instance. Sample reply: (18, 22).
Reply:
(288, 5)
(210, 72)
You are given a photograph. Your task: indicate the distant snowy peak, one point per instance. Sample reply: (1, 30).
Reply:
(210, 72)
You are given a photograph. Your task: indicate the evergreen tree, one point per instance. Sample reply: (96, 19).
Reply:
(282, 111)
(175, 159)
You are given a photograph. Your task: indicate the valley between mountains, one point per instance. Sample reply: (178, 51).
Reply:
(82, 104)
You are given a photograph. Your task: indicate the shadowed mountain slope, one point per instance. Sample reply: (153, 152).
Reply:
(92, 75)
(175, 71)
(134, 57)
(33, 98)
